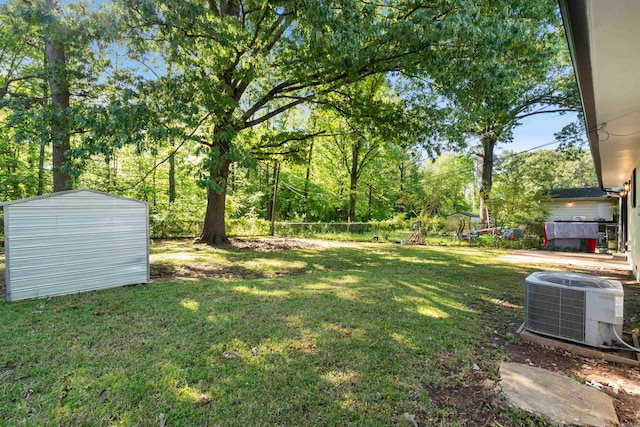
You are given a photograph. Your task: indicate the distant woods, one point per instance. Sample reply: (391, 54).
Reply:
(305, 111)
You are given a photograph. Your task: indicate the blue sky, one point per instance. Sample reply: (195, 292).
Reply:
(538, 130)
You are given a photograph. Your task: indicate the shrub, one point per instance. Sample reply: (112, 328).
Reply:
(435, 224)
(248, 226)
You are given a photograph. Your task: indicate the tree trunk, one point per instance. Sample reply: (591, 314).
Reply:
(267, 183)
(213, 231)
(271, 188)
(355, 153)
(59, 88)
(40, 190)
(369, 205)
(306, 182)
(172, 177)
(234, 179)
(153, 182)
(44, 141)
(488, 145)
(276, 172)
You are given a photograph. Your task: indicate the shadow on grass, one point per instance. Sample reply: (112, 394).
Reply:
(369, 334)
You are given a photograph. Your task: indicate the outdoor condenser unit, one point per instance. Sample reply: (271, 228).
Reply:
(574, 306)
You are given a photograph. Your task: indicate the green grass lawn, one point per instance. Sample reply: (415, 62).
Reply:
(347, 334)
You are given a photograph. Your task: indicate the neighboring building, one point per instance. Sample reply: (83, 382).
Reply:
(470, 221)
(603, 41)
(581, 204)
(74, 241)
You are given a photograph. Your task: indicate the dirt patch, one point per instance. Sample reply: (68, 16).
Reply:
(474, 404)
(271, 245)
(167, 271)
(473, 399)
(162, 272)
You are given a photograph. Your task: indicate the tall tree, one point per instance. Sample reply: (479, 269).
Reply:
(240, 64)
(23, 96)
(367, 115)
(445, 182)
(518, 195)
(549, 169)
(51, 75)
(515, 65)
(57, 76)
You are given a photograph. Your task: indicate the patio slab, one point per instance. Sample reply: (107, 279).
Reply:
(600, 261)
(556, 396)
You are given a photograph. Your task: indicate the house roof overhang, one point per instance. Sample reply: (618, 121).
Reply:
(603, 40)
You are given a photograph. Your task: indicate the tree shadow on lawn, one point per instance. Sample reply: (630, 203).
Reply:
(184, 260)
(375, 336)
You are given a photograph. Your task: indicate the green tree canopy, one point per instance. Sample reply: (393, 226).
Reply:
(445, 184)
(241, 64)
(512, 63)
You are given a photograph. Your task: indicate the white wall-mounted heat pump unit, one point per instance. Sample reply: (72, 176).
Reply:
(577, 307)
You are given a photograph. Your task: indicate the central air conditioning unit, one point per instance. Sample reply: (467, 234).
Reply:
(572, 306)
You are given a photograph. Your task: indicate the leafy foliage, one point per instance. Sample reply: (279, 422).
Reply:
(446, 182)
(342, 98)
(508, 73)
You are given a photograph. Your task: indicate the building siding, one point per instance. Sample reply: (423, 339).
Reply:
(565, 210)
(74, 242)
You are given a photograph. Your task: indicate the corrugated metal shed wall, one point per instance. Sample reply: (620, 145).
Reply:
(74, 241)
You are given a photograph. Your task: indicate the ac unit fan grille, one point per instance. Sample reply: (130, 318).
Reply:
(555, 311)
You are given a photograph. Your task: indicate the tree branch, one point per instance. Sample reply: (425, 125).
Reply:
(289, 139)
(150, 171)
(280, 31)
(266, 98)
(559, 110)
(273, 113)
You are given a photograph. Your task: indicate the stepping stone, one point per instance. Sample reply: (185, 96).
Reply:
(556, 396)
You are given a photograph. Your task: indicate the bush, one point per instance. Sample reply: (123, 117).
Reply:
(435, 224)
(388, 226)
(533, 234)
(248, 226)
(176, 220)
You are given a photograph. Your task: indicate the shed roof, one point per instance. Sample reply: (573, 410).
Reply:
(470, 215)
(61, 193)
(577, 193)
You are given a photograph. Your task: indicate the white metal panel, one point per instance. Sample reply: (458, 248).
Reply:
(73, 242)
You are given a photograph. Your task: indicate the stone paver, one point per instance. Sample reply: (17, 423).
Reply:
(556, 396)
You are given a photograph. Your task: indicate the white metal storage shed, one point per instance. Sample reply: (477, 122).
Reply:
(74, 241)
